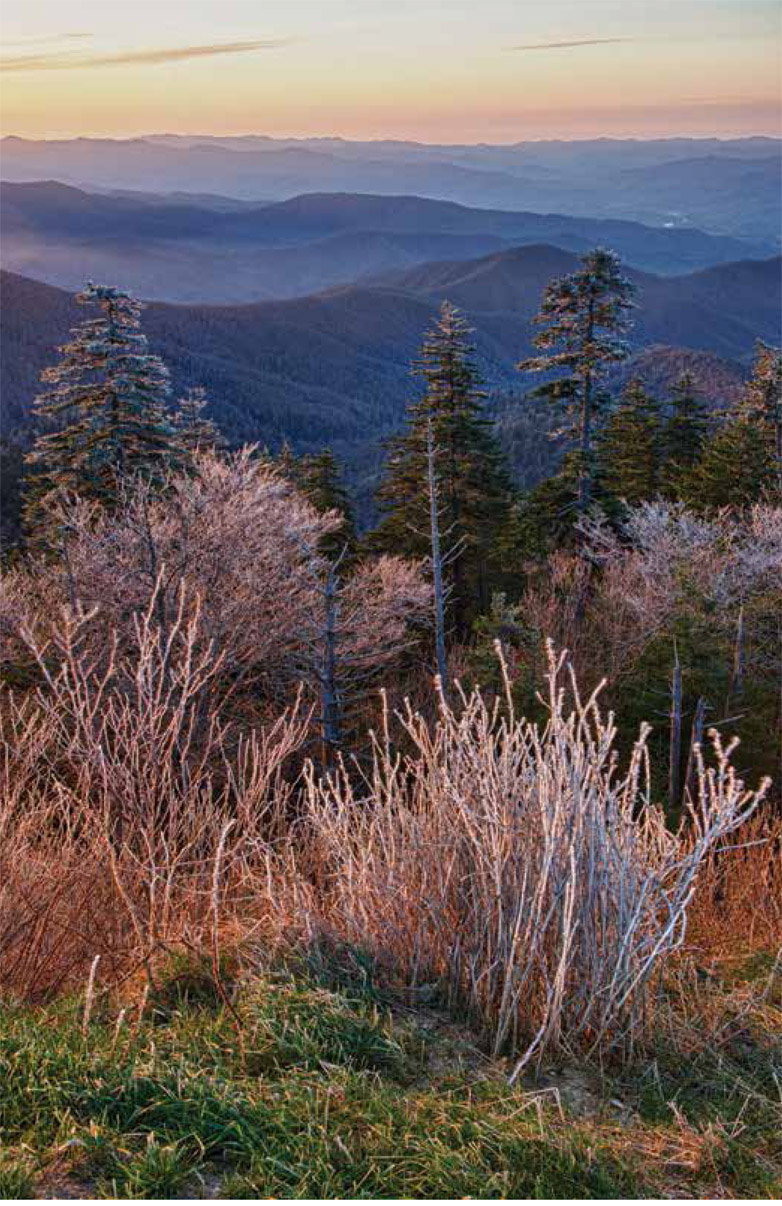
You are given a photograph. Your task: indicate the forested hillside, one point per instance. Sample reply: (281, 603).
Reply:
(235, 693)
(333, 369)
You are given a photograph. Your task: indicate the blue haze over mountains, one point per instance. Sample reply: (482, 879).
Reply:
(294, 278)
(729, 186)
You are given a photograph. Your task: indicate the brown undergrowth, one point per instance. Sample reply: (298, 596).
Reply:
(512, 874)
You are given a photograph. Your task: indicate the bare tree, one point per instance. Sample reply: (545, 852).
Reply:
(675, 736)
(358, 625)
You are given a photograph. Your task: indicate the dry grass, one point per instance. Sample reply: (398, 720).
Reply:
(512, 873)
(123, 799)
(516, 871)
(737, 907)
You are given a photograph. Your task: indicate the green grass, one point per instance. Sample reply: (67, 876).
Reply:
(322, 1094)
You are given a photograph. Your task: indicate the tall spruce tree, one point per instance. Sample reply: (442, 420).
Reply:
(683, 437)
(474, 490)
(629, 449)
(762, 400)
(104, 418)
(582, 320)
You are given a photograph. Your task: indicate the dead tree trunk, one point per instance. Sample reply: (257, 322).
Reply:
(696, 740)
(329, 694)
(674, 754)
(736, 688)
(437, 564)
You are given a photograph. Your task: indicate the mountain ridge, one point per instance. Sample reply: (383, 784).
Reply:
(182, 252)
(350, 347)
(333, 369)
(588, 176)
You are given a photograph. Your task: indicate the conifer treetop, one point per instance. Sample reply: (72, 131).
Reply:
(583, 317)
(473, 485)
(762, 398)
(103, 417)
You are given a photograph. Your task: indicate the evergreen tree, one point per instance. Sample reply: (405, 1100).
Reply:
(628, 449)
(319, 479)
(762, 401)
(683, 437)
(287, 462)
(735, 469)
(474, 489)
(193, 432)
(543, 520)
(104, 418)
(582, 319)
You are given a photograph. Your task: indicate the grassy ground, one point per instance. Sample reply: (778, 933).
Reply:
(322, 1091)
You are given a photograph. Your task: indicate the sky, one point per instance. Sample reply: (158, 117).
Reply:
(432, 70)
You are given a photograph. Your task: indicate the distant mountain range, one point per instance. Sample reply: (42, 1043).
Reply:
(727, 186)
(171, 249)
(334, 368)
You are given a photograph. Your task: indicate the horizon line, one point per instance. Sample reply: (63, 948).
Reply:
(149, 134)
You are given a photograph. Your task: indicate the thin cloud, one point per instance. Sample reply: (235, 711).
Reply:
(154, 57)
(44, 39)
(570, 45)
(726, 100)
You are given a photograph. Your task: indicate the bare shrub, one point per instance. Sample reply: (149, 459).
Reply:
(152, 721)
(239, 546)
(235, 537)
(517, 869)
(513, 867)
(666, 561)
(120, 786)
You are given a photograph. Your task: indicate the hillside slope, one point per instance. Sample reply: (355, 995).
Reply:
(333, 368)
(175, 250)
(336, 1091)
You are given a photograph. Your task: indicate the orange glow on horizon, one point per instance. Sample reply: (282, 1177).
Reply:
(495, 70)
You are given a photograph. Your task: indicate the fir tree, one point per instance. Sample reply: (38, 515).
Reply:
(628, 449)
(582, 319)
(473, 485)
(104, 418)
(544, 517)
(762, 401)
(287, 462)
(683, 437)
(736, 467)
(319, 479)
(193, 432)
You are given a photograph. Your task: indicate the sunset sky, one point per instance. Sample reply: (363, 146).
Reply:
(455, 71)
